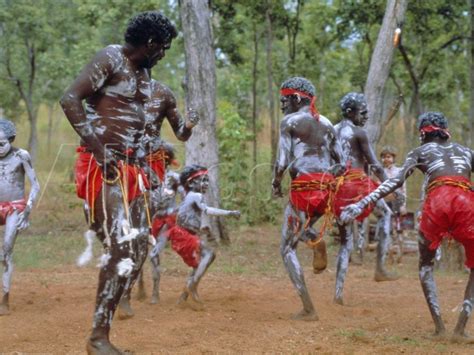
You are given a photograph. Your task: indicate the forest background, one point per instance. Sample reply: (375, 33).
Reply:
(257, 45)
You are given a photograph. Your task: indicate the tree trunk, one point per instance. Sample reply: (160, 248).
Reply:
(380, 64)
(254, 101)
(471, 109)
(200, 88)
(271, 99)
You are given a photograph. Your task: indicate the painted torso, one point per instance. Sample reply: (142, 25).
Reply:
(12, 175)
(117, 110)
(190, 211)
(347, 133)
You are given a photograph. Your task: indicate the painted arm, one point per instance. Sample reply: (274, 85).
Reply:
(182, 128)
(90, 80)
(369, 155)
(387, 187)
(23, 221)
(472, 160)
(283, 158)
(212, 211)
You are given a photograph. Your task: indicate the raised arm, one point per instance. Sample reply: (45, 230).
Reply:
(283, 158)
(369, 155)
(89, 81)
(387, 187)
(34, 189)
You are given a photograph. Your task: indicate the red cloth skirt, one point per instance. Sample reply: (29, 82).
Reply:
(156, 161)
(448, 211)
(160, 222)
(356, 185)
(186, 244)
(8, 207)
(89, 177)
(311, 192)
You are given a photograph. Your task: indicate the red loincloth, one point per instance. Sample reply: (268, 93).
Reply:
(160, 222)
(156, 161)
(311, 192)
(186, 244)
(448, 211)
(355, 186)
(89, 178)
(8, 207)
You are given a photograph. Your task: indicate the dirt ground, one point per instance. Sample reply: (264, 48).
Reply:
(245, 312)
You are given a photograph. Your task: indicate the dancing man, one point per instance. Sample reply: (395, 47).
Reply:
(356, 184)
(116, 88)
(14, 210)
(448, 209)
(308, 148)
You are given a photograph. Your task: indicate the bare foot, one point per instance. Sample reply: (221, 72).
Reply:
(339, 301)
(195, 304)
(307, 316)
(462, 338)
(439, 335)
(155, 299)
(101, 346)
(124, 311)
(320, 257)
(385, 276)
(4, 309)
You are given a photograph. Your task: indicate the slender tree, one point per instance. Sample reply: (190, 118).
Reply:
(380, 64)
(200, 87)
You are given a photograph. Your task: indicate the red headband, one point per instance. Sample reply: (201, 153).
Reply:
(431, 128)
(312, 106)
(196, 174)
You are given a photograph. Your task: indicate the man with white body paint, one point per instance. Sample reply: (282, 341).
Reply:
(308, 148)
(448, 209)
(356, 183)
(14, 210)
(115, 86)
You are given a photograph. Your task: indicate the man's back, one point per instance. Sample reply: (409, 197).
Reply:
(442, 159)
(308, 142)
(349, 134)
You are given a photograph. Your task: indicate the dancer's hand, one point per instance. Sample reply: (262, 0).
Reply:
(276, 189)
(192, 118)
(23, 219)
(351, 212)
(235, 214)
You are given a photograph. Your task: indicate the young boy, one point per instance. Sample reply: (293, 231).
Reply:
(184, 236)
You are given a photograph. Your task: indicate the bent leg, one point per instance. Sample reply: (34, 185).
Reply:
(342, 261)
(289, 242)
(426, 265)
(8, 244)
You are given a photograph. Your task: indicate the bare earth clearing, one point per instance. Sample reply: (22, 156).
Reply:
(249, 302)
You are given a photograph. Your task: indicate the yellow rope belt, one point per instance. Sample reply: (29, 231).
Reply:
(466, 186)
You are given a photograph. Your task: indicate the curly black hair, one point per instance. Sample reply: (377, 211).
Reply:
(436, 119)
(187, 172)
(8, 127)
(300, 84)
(150, 25)
(351, 101)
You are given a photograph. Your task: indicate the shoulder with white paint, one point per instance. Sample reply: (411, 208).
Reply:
(114, 55)
(162, 91)
(22, 154)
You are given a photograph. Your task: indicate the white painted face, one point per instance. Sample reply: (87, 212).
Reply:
(5, 144)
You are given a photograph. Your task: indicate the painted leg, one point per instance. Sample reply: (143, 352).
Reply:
(207, 258)
(459, 334)
(426, 266)
(141, 293)
(8, 244)
(118, 263)
(155, 269)
(289, 242)
(383, 246)
(359, 232)
(342, 261)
